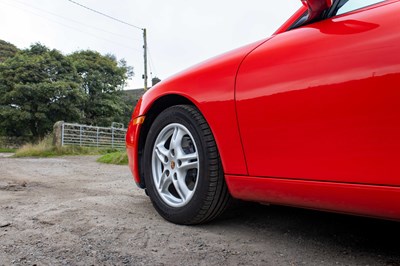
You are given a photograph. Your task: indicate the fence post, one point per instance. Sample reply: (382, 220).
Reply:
(80, 136)
(112, 137)
(62, 134)
(97, 137)
(58, 134)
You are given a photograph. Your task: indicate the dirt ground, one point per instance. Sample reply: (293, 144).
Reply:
(75, 211)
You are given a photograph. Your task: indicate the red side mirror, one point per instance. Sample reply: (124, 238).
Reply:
(316, 7)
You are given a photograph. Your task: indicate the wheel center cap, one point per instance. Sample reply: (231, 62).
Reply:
(172, 165)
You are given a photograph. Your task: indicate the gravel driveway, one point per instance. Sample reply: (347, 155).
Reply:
(75, 211)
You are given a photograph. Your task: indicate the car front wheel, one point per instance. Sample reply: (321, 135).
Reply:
(183, 171)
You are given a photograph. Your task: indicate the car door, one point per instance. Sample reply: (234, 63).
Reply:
(322, 102)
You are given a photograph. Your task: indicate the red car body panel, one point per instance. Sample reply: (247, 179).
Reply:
(327, 101)
(132, 140)
(309, 117)
(366, 200)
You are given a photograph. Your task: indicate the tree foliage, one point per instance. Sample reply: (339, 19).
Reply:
(103, 79)
(39, 86)
(7, 50)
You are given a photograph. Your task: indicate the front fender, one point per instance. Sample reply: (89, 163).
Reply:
(210, 86)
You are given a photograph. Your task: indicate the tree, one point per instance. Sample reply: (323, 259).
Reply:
(7, 50)
(103, 79)
(38, 87)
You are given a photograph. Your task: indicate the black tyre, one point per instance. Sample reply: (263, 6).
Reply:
(183, 171)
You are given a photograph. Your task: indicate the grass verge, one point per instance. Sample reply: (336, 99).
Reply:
(6, 150)
(119, 158)
(45, 148)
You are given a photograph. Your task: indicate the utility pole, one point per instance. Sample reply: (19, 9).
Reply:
(145, 76)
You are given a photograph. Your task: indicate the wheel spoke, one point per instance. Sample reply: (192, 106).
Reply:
(165, 181)
(188, 161)
(181, 188)
(189, 165)
(176, 139)
(161, 152)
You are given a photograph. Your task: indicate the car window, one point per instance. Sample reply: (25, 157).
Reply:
(350, 5)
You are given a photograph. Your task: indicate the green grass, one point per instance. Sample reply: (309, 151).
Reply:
(6, 150)
(119, 158)
(45, 148)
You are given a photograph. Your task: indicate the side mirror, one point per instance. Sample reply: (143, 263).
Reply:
(316, 7)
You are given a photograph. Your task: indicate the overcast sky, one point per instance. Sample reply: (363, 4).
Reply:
(180, 33)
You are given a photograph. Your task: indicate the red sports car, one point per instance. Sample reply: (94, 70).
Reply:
(309, 117)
